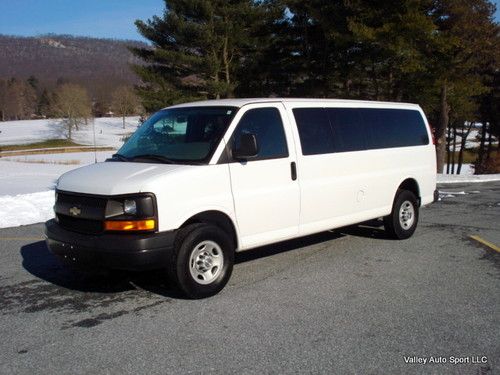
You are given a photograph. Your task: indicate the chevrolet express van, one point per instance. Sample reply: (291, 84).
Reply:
(199, 181)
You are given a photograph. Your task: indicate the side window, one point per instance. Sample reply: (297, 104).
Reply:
(348, 132)
(394, 128)
(266, 125)
(315, 131)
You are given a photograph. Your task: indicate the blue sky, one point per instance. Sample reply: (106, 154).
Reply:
(97, 18)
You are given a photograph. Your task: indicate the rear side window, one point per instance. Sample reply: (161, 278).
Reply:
(349, 132)
(394, 128)
(266, 125)
(315, 132)
(328, 130)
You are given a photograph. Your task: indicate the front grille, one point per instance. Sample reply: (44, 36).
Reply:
(80, 225)
(81, 200)
(80, 213)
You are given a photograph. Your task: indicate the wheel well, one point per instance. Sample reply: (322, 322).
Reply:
(411, 185)
(217, 218)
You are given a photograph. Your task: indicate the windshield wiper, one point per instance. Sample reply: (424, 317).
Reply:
(163, 159)
(120, 157)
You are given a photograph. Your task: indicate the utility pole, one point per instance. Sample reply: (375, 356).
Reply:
(95, 147)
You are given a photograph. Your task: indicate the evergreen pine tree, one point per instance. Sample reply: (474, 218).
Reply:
(44, 104)
(199, 49)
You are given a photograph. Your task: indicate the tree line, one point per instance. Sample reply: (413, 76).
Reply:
(36, 73)
(25, 99)
(441, 54)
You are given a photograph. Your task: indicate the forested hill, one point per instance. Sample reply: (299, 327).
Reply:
(94, 63)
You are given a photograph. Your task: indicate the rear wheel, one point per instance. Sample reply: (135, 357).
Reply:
(402, 221)
(202, 260)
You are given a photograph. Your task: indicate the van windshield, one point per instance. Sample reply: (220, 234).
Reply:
(178, 135)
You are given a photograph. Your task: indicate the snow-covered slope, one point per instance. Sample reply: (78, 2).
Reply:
(35, 173)
(109, 131)
(27, 184)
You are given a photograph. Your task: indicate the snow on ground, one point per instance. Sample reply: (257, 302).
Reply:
(23, 178)
(26, 208)
(27, 184)
(473, 140)
(467, 169)
(34, 173)
(456, 179)
(109, 131)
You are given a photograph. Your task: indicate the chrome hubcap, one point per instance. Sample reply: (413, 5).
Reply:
(406, 215)
(206, 262)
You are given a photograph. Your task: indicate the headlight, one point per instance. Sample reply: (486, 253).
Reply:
(130, 207)
(131, 213)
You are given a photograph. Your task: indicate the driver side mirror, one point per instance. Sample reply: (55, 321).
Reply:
(248, 147)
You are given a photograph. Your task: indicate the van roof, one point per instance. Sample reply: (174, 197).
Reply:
(244, 101)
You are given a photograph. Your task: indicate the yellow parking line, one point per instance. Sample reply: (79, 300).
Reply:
(21, 238)
(486, 243)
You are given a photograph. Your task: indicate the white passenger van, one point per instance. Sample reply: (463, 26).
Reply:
(199, 181)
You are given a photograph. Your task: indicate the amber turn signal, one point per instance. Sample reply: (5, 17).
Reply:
(135, 225)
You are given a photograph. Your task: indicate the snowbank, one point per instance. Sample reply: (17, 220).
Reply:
(26, 209)
(27, 184)
(457, 179)
(466, 176)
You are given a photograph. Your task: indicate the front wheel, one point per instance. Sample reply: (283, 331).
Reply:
(202, 261)
(402, 221)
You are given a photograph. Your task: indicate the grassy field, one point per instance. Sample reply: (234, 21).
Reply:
(51, 146)
(45, 144)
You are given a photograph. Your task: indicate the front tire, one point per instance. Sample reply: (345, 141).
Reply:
(402, 221)
(202, 260)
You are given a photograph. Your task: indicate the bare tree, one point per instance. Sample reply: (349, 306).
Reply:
(124, 102)
(72, 103)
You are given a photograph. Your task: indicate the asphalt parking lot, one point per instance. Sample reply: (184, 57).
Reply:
(348, 301)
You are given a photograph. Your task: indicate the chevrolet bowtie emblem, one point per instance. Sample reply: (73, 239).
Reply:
(75, 211)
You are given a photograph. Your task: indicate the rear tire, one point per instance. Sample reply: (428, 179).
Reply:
(202, 260)
(402, 221)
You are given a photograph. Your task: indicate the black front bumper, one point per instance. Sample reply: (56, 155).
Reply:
(115, 251)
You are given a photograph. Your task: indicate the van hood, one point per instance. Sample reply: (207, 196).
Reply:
(114, 178)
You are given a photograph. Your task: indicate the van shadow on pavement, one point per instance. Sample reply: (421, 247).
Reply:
(370, 229)
(41, 263)
(285, 246)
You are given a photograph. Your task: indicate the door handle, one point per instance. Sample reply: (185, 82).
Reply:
(293, 168)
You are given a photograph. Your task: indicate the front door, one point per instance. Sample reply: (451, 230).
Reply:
(265, 191)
